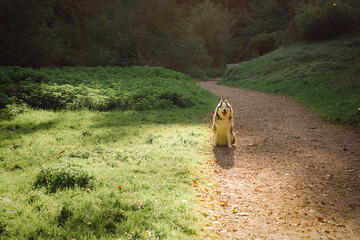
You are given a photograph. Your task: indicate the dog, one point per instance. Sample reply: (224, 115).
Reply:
(223, 125)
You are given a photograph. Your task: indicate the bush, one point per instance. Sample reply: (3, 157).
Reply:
(12, 110)
(263, 43)
(321, 19)
(101, 88)
(63, 177)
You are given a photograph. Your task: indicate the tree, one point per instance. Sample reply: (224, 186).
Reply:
(209, 24)
(23, 32)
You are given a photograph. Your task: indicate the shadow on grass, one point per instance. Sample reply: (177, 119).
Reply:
(134, 118)
(15, 130)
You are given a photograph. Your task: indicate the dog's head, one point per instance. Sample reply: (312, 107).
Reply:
(224, 109)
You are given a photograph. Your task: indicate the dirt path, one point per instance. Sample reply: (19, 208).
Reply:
(290, 176)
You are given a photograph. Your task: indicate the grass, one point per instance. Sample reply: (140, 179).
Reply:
(206, 73)
(81, 174)
(324, 76)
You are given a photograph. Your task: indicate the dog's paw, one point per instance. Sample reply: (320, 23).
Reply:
(230, 146)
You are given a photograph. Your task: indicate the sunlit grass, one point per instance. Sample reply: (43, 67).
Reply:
(141, 164)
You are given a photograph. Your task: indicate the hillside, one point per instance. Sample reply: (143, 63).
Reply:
(324, 76)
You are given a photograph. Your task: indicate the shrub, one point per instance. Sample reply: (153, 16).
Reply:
(321, 19)
(11, 110)
(263, 43)
(100, 88)
(70, 97)
(63, 177)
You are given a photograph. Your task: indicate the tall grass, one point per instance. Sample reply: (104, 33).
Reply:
(323, 76)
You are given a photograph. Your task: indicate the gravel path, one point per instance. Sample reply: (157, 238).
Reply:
(290, 176)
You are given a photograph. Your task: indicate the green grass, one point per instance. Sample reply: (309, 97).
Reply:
(324, 76)
(82, 174)
(206, 73)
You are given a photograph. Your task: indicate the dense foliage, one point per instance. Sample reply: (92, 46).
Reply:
(326, 19)
(101, 88)
(178, 34)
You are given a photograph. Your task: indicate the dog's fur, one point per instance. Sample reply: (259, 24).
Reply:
(223, 125)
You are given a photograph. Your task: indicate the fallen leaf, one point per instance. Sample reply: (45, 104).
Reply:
(235, 210)
(223, 203)
(243, 214)
(339, 224)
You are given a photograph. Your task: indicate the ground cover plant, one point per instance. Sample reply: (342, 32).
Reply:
(86, 174)
(100, 88)
(323, 76)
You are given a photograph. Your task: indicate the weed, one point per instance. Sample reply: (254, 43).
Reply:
(63, 177)
(2, 224)
(149, 140)
(86, 133)
(65, 214)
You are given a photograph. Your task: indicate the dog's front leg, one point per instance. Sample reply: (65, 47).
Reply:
(229, 139)
(215, 139)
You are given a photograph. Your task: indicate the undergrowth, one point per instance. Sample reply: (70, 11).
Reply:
(99, 88)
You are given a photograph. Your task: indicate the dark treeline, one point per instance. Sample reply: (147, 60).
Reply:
(177, 34)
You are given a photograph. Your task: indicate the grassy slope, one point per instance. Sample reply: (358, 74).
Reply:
(143, 163)
(323, 76)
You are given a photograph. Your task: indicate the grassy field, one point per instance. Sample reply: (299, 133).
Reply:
(324, 76)
(86, 174)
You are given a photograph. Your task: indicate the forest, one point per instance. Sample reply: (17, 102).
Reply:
(183, 35)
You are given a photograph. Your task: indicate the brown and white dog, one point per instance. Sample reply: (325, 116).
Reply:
(223, 125)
